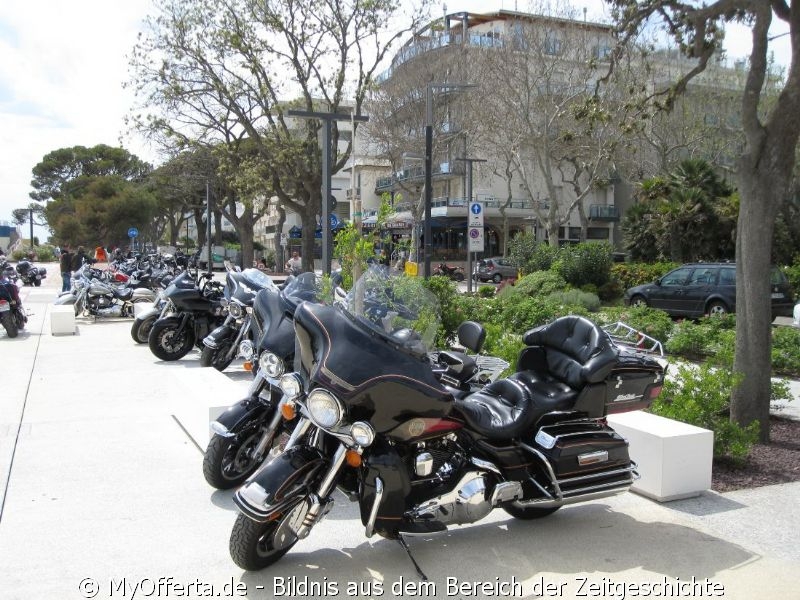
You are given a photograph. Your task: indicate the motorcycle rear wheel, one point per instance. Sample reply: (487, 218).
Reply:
(528, 513)
(167, 344)
(216, 357)
(255, 546)
(10, 325)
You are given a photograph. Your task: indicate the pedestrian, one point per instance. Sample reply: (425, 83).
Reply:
(65, 263)
(78, 259)
(295, 264)
(100, 255)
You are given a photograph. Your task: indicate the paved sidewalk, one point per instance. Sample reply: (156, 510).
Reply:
(104, 486)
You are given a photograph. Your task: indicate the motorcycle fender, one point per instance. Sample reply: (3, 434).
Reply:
(243, 412)
(65, 298)
(153, 312)
(219, 335)
(281, 483)
(144, 293)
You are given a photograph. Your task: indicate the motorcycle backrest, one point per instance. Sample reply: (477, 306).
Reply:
(471, 335)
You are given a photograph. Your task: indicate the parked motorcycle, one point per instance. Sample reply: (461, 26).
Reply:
(374, 420)
(12, 314)
(246, 432)
(29, 274)
(96, 295)
(455, 273)
(233, 338)
(143, 322)
(193, 313)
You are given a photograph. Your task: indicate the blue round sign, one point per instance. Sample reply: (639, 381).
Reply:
(475, 208)
(334, 221)
(133, 232)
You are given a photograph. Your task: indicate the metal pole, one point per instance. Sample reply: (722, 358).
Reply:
(30, 215)
(208, 232)
(325, 217)
(469, 202)
(427, 242)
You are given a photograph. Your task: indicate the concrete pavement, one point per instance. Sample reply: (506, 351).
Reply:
(103, 497)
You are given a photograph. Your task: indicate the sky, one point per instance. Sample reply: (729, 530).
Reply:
(62, 69)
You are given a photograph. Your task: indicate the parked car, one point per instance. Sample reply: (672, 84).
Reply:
(494, 269)
(697, 289)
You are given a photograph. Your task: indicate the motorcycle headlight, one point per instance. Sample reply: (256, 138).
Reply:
(324, 409)
(291, 385)
(271, 365)
(235, 310)
(362, 433)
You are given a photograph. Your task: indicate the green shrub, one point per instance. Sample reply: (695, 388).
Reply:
(701, 396)
(585, 263)
(503, 345)
(446, 293)
(612, 290)
(539, 283)
(520, 314)
(688, 339)
(572, 298)
(786, 350)
(792, 273)
(486, 291)
(632, 274)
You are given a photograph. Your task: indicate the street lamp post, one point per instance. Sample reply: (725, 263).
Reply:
(428, 242)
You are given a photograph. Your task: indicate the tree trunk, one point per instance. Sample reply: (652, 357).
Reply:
(217, 234)
(760, 199)
(308, 221)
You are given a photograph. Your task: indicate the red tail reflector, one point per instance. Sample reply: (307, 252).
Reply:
(655, 391)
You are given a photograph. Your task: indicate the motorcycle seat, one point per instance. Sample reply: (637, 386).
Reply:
(125, 294)
(500, 411)
(547, 393)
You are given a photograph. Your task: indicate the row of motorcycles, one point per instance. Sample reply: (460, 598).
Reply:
(350, 393)
(12, 314)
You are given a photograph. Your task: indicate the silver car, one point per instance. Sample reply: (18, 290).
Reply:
(494, 269)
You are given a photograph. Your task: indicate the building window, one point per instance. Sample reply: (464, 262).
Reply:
(596, 233)
(552, 45)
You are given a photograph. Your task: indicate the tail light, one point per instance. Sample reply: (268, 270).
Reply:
(655, 391)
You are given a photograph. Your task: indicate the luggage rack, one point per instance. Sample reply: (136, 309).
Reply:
(633, 339)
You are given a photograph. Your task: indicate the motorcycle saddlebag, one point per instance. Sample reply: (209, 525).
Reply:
(584, 453)
(634, 382)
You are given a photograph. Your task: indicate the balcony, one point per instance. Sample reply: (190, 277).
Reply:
(603, 212)
(417, 174)
(353, 194)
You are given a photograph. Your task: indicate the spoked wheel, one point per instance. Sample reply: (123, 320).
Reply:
(168, 343)
(254, 546)
(717, 309)
(140, 330)
(638, 301)
(229, 461)
(217, 357)
(528, 513)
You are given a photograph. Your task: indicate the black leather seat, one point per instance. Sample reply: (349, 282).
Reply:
(502, 410)
(124, 294)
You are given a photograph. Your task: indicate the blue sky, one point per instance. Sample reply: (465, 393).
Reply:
(62, 66)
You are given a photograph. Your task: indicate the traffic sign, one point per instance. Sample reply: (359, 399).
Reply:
(475, 215)
(334, 221)
(476, 239)
(133, 232)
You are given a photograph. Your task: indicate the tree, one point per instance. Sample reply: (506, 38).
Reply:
(764, 169)
(537, 101)
(93, 195)
(219, 72)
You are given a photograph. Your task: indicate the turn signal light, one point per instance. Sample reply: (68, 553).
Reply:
(288, 411)
(352, 458)
(248, 366)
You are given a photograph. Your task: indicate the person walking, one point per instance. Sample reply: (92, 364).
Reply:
(65, 263)
(78, 259)
(295, 264)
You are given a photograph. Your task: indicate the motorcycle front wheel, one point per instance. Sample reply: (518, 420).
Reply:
(37, 282)
(168, 343)
(10, 325)
(216, 357)
(254, 546)
(227, 462)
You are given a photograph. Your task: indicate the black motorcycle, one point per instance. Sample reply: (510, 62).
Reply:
(246, 432)
(143, 322)
(375, 421)
(12, 313)
(192, 314)
(233, 338)
(29, 274)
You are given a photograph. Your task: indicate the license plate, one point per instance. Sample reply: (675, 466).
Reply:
(777, 295)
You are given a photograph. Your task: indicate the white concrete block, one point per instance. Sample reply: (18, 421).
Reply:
(140, 307)
(62, 319)
(674, 459)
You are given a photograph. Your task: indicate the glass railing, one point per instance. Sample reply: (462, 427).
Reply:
(605, 212)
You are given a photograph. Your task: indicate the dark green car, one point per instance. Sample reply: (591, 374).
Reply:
(698, 289)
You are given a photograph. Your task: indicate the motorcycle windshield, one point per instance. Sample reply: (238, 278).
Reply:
(257, 279)
(300, 288)
(398, 308)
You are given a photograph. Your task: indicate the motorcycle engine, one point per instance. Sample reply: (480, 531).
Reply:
(103, 301)
(110, 311)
